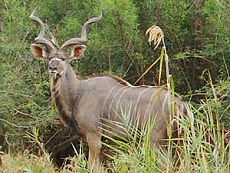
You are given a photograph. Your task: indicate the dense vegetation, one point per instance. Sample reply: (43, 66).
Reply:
(197, 41)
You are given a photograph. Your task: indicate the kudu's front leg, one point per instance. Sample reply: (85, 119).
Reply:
(94, 144)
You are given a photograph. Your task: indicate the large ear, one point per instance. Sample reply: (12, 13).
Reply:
(38, 51)
(77, 52)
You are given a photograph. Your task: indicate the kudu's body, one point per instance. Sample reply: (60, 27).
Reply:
(83, 104)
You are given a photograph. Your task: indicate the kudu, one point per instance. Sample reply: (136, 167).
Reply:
(83, 104)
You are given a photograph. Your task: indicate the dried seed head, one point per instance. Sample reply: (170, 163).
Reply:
(155, 34)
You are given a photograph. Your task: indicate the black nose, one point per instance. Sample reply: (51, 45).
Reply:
(52, 68)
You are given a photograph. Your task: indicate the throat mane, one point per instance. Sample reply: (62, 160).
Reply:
(64, 113)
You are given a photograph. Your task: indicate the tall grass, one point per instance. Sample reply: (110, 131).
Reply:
(202, 147)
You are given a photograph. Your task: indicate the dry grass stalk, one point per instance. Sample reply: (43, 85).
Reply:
(155, 34)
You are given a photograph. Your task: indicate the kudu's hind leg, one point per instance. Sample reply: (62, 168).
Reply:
(158, 136)
(94, 144)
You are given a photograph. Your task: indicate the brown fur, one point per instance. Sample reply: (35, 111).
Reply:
(120, 80)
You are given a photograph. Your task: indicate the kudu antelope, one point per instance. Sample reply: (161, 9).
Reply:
(83, 104)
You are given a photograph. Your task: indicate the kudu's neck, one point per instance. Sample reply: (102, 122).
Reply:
(67, 87)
